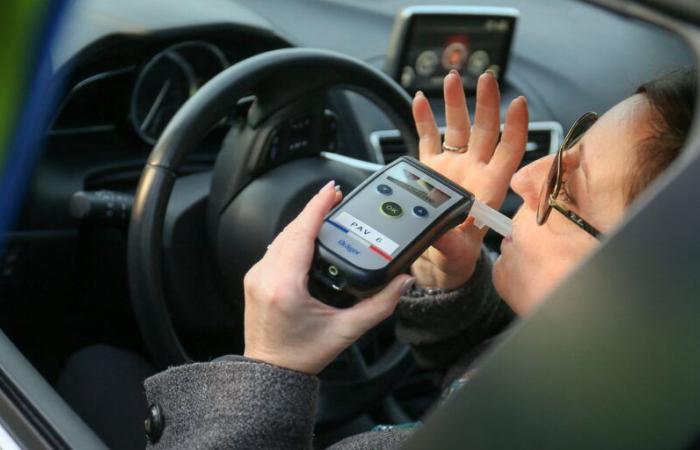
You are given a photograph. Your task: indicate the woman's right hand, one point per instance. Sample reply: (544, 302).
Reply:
(485, 169)
(283, 324)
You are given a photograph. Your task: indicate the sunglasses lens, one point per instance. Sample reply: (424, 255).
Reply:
(547, 189)
(577, 130)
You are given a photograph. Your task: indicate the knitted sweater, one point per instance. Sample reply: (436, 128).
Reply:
(238, 403)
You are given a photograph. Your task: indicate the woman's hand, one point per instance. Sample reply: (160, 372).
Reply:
(485, 169)
(283, 324)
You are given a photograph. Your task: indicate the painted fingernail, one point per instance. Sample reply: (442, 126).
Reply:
(407, 285)
(327, 186)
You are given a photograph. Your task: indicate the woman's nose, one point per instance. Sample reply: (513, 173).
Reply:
(527, 182)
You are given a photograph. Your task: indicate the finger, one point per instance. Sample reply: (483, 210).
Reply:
(511, 149)
(338, 194)
(338, 199)
(456, 113)
(429, 143)
(279, 241)
(354, 322)
(449, 245)
(486, 118)
(296, 242)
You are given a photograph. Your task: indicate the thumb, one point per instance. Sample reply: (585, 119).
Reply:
(298, 237)
(370, 311)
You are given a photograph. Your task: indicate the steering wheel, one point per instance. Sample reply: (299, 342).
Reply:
(267, 169)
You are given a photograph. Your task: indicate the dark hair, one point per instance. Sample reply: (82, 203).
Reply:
(672, 98)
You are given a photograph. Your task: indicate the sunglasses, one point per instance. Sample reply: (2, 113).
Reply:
(553, 183)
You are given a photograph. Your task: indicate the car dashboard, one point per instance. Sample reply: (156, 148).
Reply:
(125, 67)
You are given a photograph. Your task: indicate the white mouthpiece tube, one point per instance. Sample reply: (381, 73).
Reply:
(484, 215)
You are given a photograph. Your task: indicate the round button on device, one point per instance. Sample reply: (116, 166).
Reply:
(391, 209)
(420, 211)
(384, 189)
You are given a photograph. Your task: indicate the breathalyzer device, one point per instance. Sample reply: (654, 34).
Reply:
(385, 224)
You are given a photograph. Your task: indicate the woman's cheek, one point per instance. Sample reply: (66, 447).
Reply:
(541, 284)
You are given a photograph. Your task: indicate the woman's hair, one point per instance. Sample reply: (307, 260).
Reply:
(672, 99)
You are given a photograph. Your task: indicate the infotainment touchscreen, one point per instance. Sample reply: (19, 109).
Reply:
(428, 42)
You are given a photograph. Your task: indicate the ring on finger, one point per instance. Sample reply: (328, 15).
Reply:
(454, 149)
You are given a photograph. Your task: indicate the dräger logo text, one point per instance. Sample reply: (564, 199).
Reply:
(348, 247)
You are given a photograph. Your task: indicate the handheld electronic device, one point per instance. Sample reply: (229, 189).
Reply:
(382, 226)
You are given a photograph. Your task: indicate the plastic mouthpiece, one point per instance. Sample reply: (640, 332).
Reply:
(484, 215)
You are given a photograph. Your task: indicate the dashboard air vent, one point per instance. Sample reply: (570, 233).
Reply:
(543, 138)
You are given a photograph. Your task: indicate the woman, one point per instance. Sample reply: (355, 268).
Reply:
(266, 398)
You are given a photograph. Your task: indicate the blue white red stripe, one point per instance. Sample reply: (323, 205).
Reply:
(375, 249)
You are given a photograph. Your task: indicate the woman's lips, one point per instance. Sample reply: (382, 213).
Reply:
(505, 242)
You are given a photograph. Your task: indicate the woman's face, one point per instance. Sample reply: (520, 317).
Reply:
(596, 170)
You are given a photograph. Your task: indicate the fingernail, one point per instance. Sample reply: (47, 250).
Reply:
(327, 186)
(420, 94)
(524, 98)
(407, 285)
(454, 72)
(490, 72)
(337, 188)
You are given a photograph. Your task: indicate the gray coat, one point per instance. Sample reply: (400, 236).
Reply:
(237, 403)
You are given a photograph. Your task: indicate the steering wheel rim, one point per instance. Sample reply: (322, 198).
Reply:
(188, 127)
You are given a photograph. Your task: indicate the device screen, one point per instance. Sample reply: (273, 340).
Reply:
(419, 187)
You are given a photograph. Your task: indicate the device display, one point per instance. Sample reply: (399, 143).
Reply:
(428, 42)
(383, 225)
(420, 187)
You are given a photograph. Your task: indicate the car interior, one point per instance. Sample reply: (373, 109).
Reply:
(181, 137)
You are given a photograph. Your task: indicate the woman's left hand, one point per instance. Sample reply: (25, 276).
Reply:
(283, 324)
